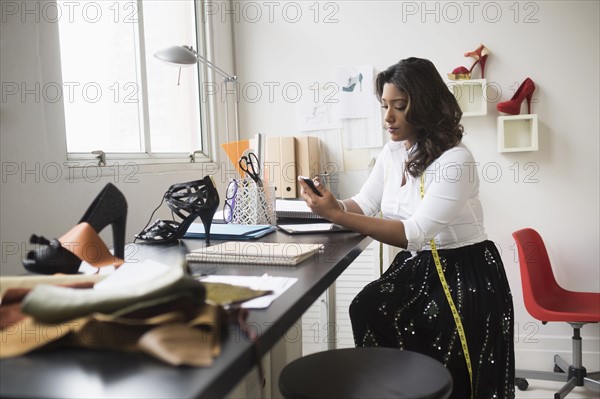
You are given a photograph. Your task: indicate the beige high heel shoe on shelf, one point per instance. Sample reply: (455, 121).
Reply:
(480, 55)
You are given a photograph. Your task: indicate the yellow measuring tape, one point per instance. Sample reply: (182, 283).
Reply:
(457, 321)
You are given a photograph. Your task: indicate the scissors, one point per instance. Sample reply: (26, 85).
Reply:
(249, 164)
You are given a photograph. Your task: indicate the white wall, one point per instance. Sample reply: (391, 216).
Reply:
(555, 43)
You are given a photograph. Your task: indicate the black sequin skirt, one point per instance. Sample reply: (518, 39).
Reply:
(406, 308)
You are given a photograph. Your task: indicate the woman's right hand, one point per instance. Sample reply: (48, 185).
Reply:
(324, 203)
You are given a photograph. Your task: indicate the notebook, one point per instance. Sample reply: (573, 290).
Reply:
(257, 253)
(307, 228)
(295, 210)
(228, 232)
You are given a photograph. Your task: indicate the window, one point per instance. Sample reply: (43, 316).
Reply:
(118, 97)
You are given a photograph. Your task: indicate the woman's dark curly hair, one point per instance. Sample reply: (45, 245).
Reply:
(432, 109)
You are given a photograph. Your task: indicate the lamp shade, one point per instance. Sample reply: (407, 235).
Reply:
(186, 56)
(177, 55)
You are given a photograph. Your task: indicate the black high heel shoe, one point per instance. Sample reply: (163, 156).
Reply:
(82, 242)
(189, 201)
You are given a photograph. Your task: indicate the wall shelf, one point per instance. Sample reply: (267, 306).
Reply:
(517, 133)
(471, 96)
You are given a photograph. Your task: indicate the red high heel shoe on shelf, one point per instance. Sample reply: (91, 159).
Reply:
(480, 55)
(513, 106)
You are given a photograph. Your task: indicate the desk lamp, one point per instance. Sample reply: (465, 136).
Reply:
(187, 56)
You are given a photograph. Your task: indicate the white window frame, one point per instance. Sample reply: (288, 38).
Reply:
(79, 160)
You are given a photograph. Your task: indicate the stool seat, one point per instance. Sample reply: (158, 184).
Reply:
(365, 373)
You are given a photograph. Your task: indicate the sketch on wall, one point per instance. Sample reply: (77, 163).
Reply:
(355, 91)
(316, 112)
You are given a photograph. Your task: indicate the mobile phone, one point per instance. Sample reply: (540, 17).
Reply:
(311, 184)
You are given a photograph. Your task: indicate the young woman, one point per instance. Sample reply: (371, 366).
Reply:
(424, 187)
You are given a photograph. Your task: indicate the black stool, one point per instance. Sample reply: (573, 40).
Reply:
(365, 373)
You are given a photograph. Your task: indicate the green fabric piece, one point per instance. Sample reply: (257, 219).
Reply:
(51, 304)
(227, 294)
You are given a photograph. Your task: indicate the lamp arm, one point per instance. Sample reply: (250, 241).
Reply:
(228, 77)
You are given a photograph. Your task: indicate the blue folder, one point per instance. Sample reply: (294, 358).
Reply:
(230, 232)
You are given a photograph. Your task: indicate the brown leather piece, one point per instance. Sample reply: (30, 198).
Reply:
(28, 334)
(178, 344)
(10, 307)
(10, 304)
(86, 244)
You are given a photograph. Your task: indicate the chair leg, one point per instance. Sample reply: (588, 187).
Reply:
(594, 376)
(561, 363)
(541, 375)
(568, 387)
(592, 381)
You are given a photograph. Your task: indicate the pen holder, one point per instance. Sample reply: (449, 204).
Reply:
(331, 180)
(254, 204)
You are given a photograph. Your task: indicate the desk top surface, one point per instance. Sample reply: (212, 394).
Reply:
(81, 373)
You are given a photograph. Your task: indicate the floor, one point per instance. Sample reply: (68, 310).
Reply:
(545, 390)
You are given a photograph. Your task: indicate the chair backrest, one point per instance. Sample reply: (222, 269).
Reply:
(540, 288)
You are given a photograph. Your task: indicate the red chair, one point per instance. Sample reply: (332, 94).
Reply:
(547, 301)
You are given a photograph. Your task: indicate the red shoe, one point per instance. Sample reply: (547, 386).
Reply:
(513, 106)
(480, 55)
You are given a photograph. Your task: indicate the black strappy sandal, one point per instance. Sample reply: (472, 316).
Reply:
(64, 254)
(189, 200)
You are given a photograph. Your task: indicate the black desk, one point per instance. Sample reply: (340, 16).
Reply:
(80, 373)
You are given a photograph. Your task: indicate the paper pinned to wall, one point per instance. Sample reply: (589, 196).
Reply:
(364, 132)
(355, 91)
(347, 106)
(316, 111)
(358, 108)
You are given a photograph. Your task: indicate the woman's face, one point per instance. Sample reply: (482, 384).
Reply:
(395, 103)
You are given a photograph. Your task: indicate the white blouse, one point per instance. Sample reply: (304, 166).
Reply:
(451, 211)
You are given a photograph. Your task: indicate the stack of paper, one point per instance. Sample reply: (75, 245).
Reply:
(267, 253)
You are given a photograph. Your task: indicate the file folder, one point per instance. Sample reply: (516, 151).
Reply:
(280, 166)
(230, 232)
(307, 158)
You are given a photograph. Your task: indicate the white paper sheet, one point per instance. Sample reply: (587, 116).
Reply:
(133, 274)
(265, 282)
